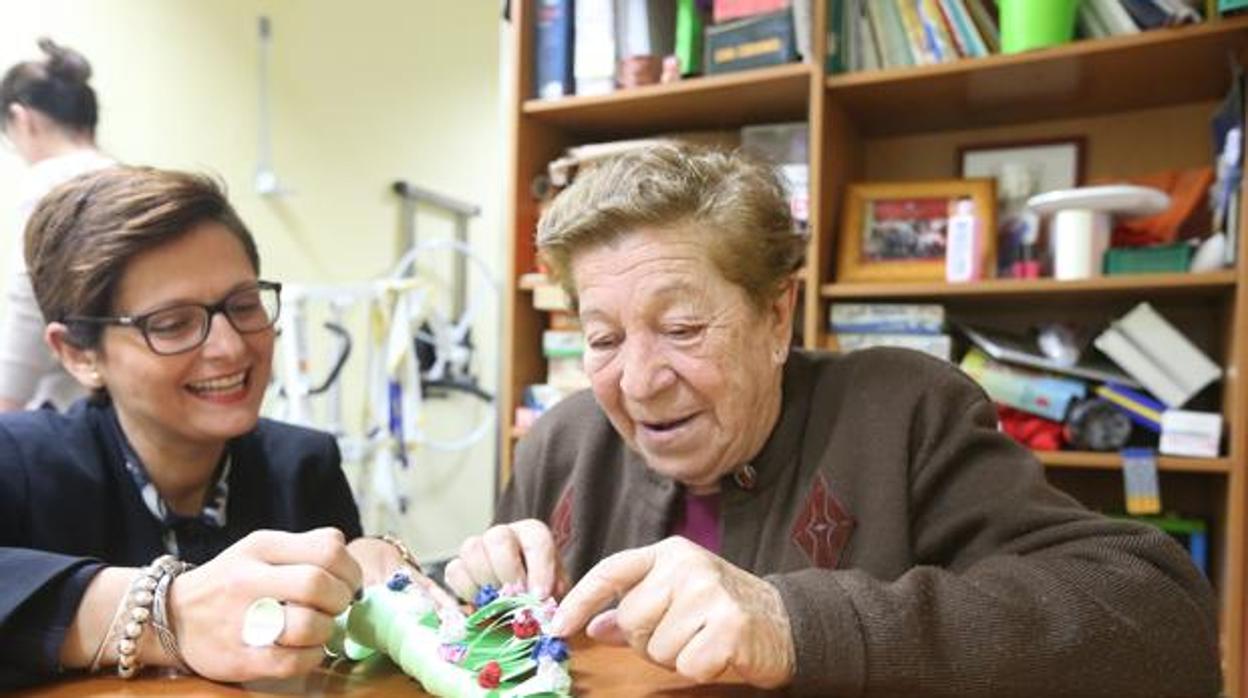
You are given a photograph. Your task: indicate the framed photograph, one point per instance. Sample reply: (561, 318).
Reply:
(897, 231)
(1025, 168)
(1022, 169)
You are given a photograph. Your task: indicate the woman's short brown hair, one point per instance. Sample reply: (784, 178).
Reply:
(736, 203)
(85, 232)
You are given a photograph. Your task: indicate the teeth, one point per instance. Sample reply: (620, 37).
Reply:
(219, 384)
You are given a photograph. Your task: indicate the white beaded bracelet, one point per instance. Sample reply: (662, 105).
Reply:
(139, 602)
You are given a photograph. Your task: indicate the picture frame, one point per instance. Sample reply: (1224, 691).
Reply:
(1023, 169)
(1055, 163)
(896, 231)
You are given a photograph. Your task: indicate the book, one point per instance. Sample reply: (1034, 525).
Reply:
(689, 29)
(982, 14)
(1089, 23)
(1115, 17)
(898, 41)
(868, 47)
(728, 10)
(835, 61)
(1039, 394)
(849, 36)
(803, 27)
(915, 35)
(951, 28)
(886, 318)
(883, 42)
(593, 57)
(1156, 354)
(966, 27)
(937, 345)
(562, 343)
(555, 40)
(645, 28)
(753, 42)
(1146, 14)
(937, 32)
(1015, 349)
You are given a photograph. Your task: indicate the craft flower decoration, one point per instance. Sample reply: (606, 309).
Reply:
(497, 651)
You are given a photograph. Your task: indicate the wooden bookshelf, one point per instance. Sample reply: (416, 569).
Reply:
(1140, 102)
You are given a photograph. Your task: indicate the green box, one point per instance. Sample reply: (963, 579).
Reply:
(1157, 259)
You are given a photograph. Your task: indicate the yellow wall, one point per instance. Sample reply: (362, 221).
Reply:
(362, 93)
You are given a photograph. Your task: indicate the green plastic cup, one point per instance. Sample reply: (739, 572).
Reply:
(1032, 24)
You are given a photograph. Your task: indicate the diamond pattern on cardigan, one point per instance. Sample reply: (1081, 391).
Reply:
(823, 527)
(561, 520)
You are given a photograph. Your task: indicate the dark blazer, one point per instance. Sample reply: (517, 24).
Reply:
(68, 507)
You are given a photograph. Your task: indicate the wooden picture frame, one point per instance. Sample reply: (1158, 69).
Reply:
(1055, 163)
(895, 231)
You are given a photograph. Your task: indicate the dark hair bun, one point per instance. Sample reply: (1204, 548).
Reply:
(65, 63)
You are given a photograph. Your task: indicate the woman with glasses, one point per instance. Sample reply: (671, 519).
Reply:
(151, 286)
(48, 115)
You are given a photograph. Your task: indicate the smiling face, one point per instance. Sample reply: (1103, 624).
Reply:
(684, 365)
(200, 398)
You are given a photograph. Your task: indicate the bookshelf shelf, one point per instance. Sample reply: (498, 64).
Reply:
(1086, 460)
(756, 96)
(1206, 284)
(1085, 78)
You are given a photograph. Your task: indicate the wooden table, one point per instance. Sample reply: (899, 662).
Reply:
(597, 670)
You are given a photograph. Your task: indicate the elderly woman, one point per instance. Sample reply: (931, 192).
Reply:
(150, 284)
(843, 525)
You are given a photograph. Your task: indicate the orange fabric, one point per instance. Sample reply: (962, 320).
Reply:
(1187, 217)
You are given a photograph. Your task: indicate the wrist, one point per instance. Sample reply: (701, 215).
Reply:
(405, 554)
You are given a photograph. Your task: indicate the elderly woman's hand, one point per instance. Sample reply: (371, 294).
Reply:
(685, 608)
(379, 560)
(522, 553)
(312, 573)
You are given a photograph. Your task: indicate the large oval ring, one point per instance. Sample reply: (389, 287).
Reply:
(263, 622)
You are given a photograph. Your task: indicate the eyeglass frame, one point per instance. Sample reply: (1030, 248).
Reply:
(139, 322)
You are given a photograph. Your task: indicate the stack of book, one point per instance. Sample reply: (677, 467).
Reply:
(873, 34)
(563, 348)
(917, 326)
(589, 47)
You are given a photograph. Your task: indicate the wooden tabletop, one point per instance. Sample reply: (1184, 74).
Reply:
(597, 670)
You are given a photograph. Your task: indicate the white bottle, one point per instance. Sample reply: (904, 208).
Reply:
(962, 244)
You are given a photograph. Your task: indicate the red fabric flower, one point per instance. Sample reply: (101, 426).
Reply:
(525, 626)
(490, 675)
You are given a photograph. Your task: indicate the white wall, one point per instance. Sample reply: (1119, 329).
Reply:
(363, 93)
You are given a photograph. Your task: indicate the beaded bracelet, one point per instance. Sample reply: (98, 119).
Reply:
(138, 611)
(404, 553)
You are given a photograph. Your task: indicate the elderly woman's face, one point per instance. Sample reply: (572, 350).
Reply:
(204, 396)
(681, 361)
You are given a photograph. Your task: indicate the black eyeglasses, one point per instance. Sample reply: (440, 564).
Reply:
(181, 328)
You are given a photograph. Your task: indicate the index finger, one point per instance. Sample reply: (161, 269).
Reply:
(538, 548)
(607, 581)
(324, 547)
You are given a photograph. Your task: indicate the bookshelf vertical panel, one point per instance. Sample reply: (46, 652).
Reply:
(817, 105)
(1237, 486)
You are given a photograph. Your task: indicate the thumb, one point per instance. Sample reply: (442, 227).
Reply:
(604, 628)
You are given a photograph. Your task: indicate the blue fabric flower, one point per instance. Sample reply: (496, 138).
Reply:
(485, 595)
(550, 647)
(398, 581)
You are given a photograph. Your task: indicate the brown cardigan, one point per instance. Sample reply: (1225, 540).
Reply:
(918, 550)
